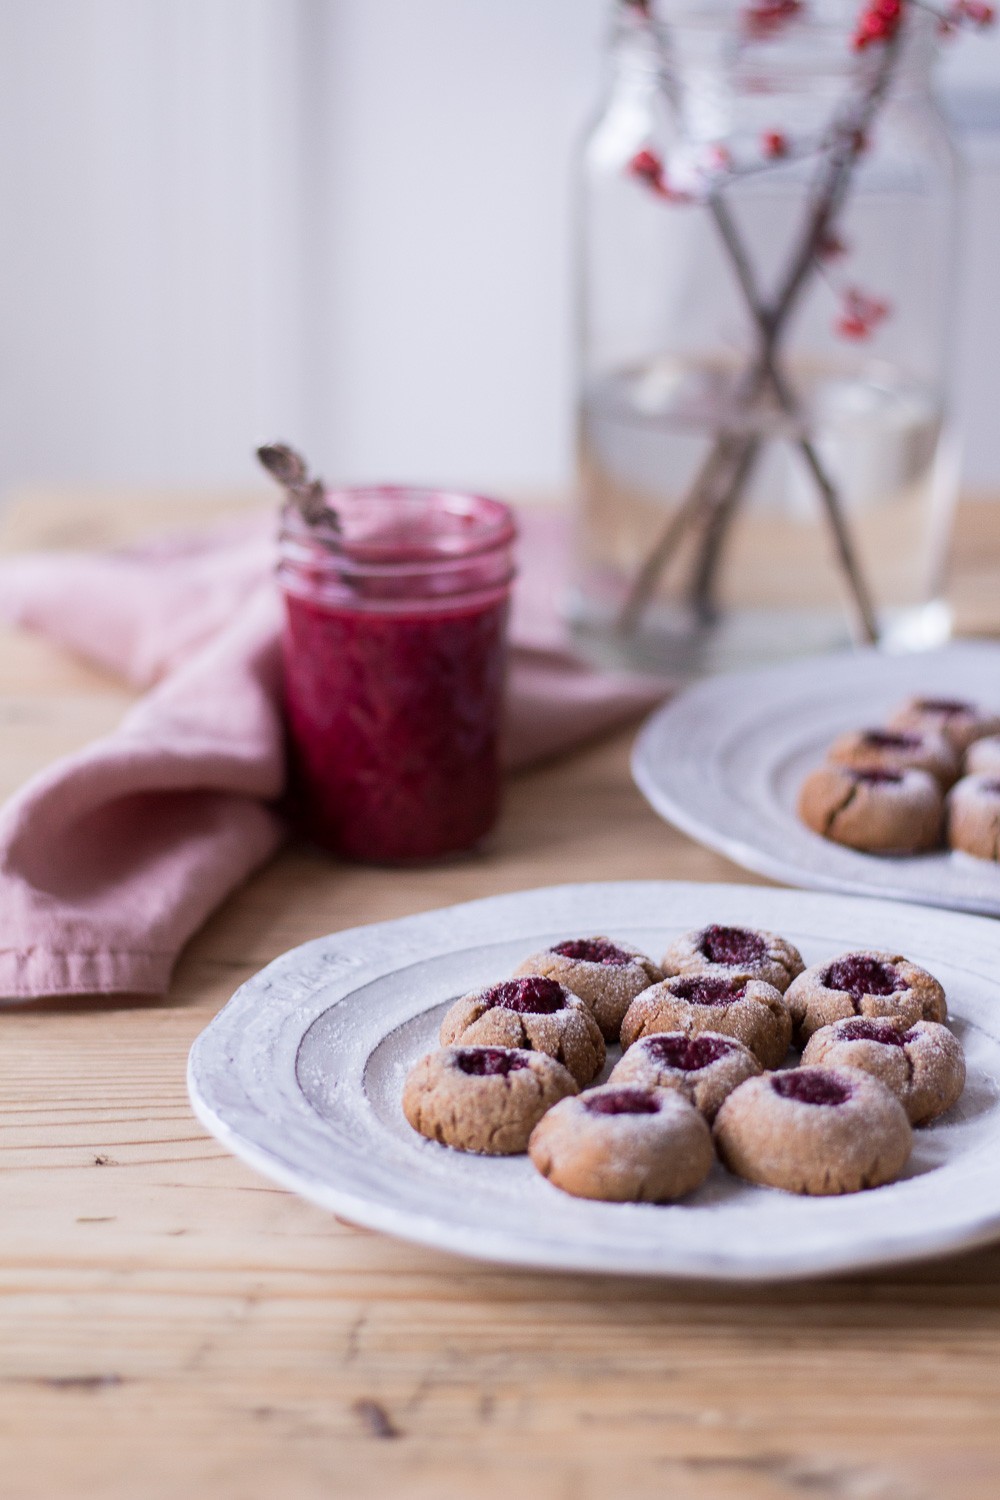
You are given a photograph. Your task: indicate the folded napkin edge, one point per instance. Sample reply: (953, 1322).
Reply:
(40, 972)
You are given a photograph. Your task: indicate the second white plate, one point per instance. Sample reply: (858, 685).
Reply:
(724, 760)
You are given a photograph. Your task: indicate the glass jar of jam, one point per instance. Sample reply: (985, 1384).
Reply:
(394, 655)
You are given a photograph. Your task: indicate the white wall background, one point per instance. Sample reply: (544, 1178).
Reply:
(340, 221)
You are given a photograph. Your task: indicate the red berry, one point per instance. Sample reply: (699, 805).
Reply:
(762, 18)
(861, 314)
(648, 168)
(879, 23)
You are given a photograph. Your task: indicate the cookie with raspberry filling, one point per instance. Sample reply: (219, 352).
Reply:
(876, 811)
(747, 1009)
(897, 750)
(960, 720)
(723, 952)
(534, 1013)
(923, 1065)
(484, 1099)
(623, 1145)
(973, 813)
(704, 1068)
(605, 973)
(983, 757)
(814, 1130)
(864, 982)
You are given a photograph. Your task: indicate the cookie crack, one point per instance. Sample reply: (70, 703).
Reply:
(852, 792)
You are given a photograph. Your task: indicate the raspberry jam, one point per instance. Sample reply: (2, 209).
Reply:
(707, 991)
(592, 950)
(885, 739)
(869, 1029)
(489, 1062)
(686, 1053)
(858, 975)
(945, 706)
(533, 996)
(732, 945)
(623, 1102)
(394, 650)
(811, 1086)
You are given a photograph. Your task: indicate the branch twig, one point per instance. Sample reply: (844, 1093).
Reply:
(738, 452)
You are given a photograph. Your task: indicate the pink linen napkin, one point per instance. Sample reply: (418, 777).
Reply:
(112, 857)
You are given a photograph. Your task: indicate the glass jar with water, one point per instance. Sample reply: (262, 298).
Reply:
(767, 219)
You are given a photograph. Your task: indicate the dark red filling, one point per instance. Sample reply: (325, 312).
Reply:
(487, 1062)
(869, 1029)
(811, 1086)
(623, 1102)
(877, 776)
(731, 945)
(688, 1053)
(533, 996)
(859, 975)
(944, 706)
(885, 739)
(700, 990)
(592, 950)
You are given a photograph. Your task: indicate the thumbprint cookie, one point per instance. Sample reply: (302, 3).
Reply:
(897, 750)
(863, 983)
(624, 1145)
(923, 1066)
(984, 756)
(485, 1099)
(727, 952)
(974, 815)
(704, 1068)
(534, 1013)
(814, 1130)
(607, 975)
(748, 1009)
(876, 811)
(961, 722)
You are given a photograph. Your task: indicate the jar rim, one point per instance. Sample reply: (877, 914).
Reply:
(400, 526)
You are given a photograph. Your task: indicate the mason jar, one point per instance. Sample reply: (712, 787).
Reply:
(394, 658)
(827, 514)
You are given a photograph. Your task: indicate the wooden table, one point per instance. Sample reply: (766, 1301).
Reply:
(174, 1325)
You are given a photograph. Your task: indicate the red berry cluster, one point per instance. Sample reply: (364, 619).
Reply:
(763, 18)
(878, 22)
(860, 314)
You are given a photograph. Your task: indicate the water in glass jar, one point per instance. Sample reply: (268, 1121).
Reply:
(644, 431)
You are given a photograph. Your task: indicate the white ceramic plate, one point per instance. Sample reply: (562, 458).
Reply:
(301, 1075)
(725, 759)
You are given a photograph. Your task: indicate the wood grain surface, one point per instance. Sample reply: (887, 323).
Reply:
(173, 1325)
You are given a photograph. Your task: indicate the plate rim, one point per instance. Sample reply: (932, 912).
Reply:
(484, 1243)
